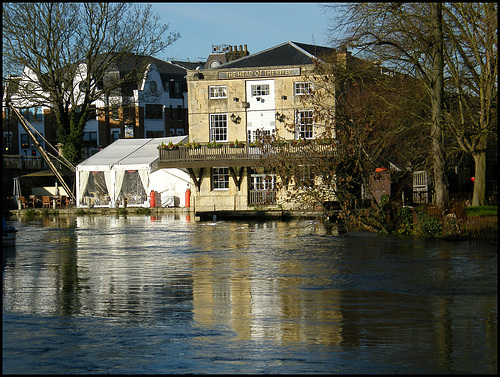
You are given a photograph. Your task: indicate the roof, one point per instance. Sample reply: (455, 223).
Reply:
(288, 53)
(128, 154)
(187, 65)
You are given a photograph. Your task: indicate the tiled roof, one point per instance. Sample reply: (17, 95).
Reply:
(187, 65)
(288, 53)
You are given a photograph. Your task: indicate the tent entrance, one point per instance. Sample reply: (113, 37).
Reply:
(132, 188)
(96, 193)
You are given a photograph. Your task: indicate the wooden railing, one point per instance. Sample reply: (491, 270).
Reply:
(225, 152)
(261, 197)
(204, 153)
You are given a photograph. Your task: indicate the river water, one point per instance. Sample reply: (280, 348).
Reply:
(165, 294)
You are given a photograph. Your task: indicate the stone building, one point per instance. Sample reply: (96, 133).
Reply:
(233, 103)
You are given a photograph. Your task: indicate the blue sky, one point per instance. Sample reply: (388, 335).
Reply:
(258, 25)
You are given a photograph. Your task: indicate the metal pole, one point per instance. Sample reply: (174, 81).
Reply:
(43, 153)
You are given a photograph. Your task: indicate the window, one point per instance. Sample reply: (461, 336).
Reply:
(129, 114)
(37, 113)
(153, 111)
(306, 177)
(262, 182)
(258, 135)
(175, 89)
(217, 91)
(24, 141)
(32, 114)
(7, 139)
(303, 88)
(153, 87)
(90, 139)
(220, 178)
(218, 127)
(260, 90)
(305, 124)
(115, 134)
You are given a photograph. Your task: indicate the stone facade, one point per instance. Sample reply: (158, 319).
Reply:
(257, 98)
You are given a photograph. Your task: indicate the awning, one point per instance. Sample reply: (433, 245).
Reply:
(48, 173)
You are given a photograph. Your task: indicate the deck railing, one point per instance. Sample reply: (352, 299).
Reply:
(261, 197)
(226, 152)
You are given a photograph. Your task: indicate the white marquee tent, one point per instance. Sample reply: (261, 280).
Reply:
(127, 170)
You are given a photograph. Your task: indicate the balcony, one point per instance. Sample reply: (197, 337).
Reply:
(231, 156)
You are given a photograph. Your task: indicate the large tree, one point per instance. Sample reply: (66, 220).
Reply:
(51, 41)
(407, 37)
(472, 88)
(451, 47)
(365, 118)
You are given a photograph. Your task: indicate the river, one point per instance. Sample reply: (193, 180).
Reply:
(166, 294)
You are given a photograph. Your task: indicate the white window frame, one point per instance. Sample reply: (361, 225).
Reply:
(218, 127)
(216, 92)
(259, 90)
(220, 178)
(303, 88)
(305, 120)
(262, 182)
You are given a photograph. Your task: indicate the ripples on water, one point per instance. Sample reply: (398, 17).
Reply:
(168, 295)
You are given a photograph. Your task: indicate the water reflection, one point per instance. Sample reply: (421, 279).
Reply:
(391, 304)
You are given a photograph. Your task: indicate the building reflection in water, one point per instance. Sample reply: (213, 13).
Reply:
(242, 279)
(264, 281)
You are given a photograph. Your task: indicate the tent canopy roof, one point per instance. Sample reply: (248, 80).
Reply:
(128, 154)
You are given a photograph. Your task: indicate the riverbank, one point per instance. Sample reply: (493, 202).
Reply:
(200, 216)
(411, 222)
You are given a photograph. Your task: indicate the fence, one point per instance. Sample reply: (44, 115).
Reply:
(483, 228)
(260, 197)
(23, 162)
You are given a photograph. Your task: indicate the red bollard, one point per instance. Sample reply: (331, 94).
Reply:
(188, 198)
(152, 200)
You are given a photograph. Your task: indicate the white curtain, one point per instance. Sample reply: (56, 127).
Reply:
(119, 174)
(144, 174)
(83, 176)
(109, 185)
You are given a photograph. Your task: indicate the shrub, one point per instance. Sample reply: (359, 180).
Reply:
(427, 225)
(404, 220)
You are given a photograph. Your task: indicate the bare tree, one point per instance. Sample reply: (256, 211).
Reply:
(71, 53)
(407, 37)
(472, 66)
(452, 48)
(361, 122)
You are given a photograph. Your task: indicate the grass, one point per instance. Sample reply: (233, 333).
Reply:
(482, 211)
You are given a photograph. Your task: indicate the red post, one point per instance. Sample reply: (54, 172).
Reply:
(152, 200)
(188, 198)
